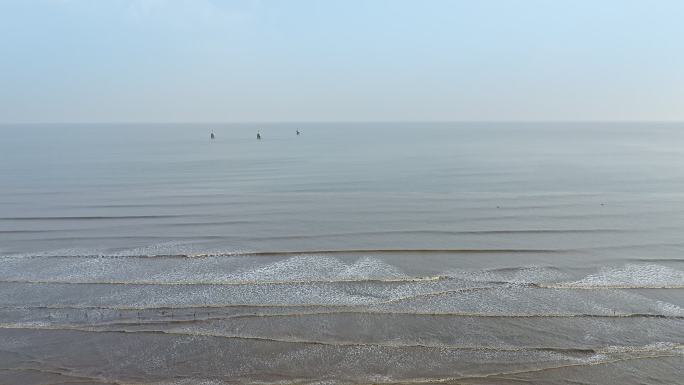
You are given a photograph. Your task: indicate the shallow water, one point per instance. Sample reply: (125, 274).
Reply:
(473, 253)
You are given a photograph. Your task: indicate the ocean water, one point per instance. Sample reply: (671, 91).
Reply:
(355, 253)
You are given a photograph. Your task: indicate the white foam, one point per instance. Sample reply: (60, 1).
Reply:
(669, 309)
(308, 268)
(170, 248)
(164, 248)
(631, 275)
(190, 381)
(654, 347)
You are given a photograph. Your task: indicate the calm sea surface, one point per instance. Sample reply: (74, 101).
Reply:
(469, 253)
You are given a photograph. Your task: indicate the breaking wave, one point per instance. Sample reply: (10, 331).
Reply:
(631, 276)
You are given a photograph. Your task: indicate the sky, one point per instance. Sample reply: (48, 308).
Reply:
(340, 60)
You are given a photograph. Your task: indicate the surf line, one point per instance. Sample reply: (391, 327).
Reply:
(236, 282)
(330, 310)
(409, 279)
(525, 371)
(313, 252)
(75, 377)
(596, 350)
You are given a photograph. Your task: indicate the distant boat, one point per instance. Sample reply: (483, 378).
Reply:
(297, 132)
(212, 135)
(258, 136)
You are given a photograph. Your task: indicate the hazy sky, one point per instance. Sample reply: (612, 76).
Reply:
(241, 60)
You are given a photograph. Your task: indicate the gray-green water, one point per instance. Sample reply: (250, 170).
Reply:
(472, 253)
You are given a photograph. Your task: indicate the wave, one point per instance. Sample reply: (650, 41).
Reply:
(234, 283)
(217, 321)
(213, 223)
(436, 278)
(131, 237)
(321, 269)
(441, 232)
(652, 260)
(630, 276)
(65, 376)
(156, 205)
(465, 314)
(394, 251)
(592, 361)
(306, 252)
(172, 249)
(608, 286)
(91, 217)
(656, 347)
(192, 380)
(332, 310)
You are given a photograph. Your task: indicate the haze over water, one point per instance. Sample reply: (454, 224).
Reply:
(353, 253)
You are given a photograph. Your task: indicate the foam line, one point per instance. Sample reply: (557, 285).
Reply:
(598, 350)
(344, 309)
(308, 252)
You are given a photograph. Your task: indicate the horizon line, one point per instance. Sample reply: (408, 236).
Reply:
(125, 122)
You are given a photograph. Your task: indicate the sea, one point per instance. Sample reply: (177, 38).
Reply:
(353, 253)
